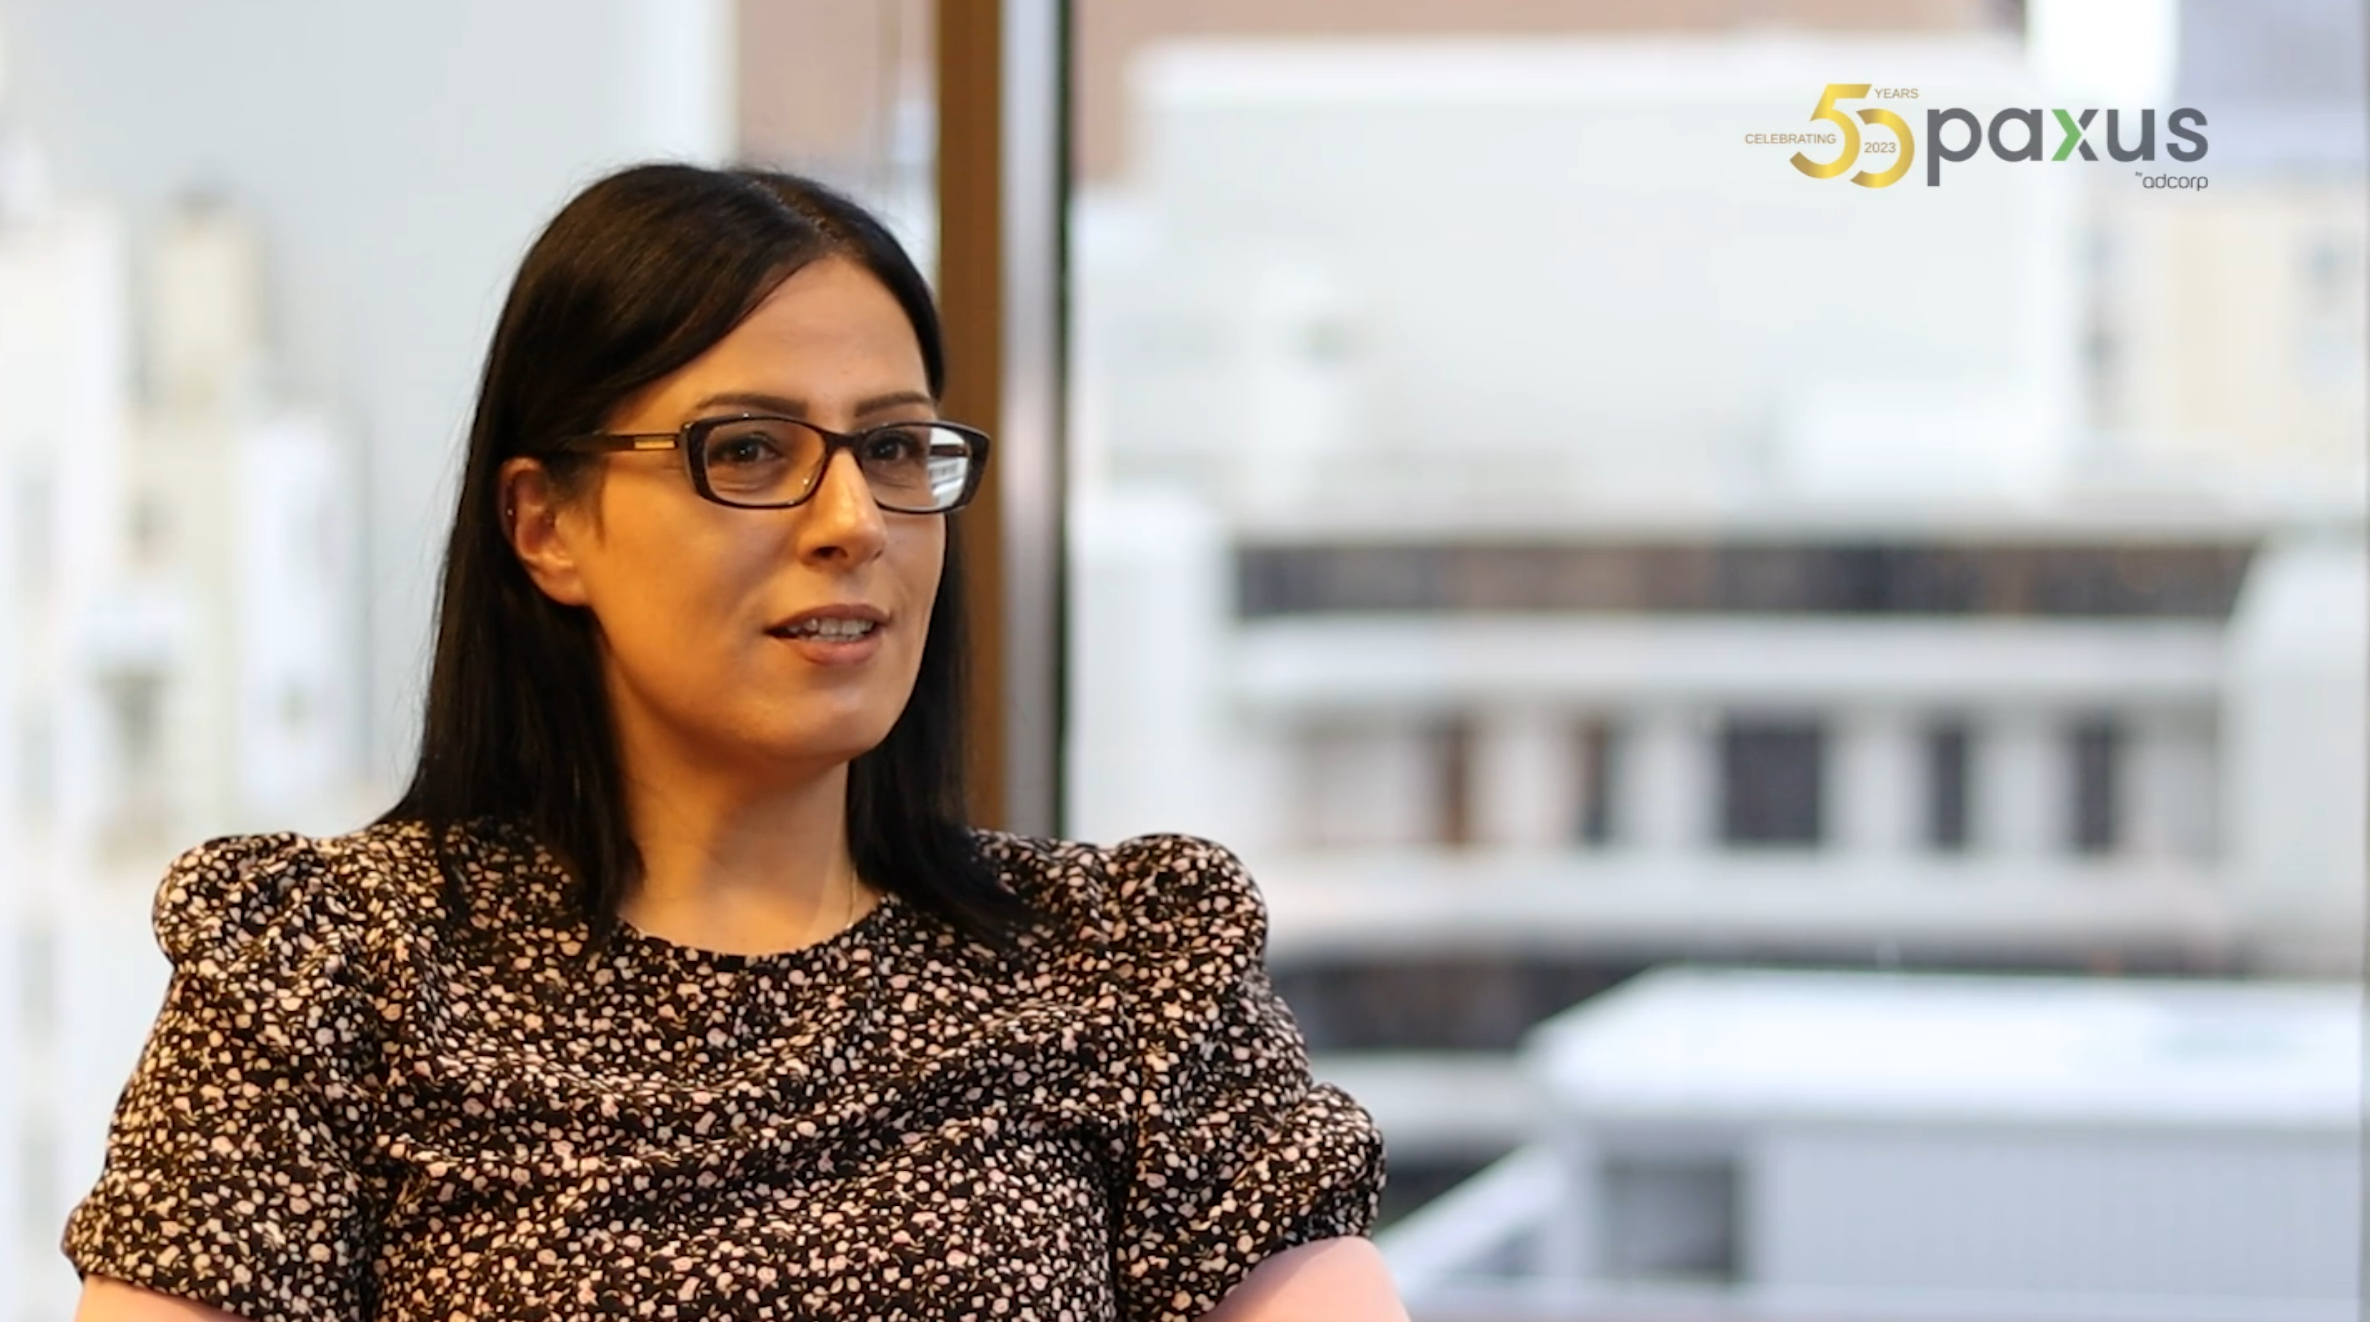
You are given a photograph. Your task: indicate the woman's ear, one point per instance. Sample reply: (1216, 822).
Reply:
(530, 513)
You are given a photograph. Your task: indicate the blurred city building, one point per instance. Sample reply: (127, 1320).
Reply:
(390, 218)
(1745, 1144)
(179, 595)
(1551, 540)
(1880, 597)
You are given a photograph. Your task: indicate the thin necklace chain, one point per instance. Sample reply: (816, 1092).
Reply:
(848, 916)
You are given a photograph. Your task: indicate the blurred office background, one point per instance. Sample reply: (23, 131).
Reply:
(1579, 556)
(1805, 744)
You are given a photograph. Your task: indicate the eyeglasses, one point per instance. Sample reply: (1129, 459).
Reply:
(761, 462)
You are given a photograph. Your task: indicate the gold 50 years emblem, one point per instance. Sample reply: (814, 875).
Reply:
(1903, 147)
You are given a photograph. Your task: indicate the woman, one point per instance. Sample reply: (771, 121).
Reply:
(674, 986)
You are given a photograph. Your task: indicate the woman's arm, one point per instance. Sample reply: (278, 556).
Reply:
(105, 1299)
(1339, 1280)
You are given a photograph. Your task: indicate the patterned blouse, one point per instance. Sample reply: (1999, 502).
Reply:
(350, 1109)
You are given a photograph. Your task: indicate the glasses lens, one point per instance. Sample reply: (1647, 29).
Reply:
(919, 468)
(761, 461)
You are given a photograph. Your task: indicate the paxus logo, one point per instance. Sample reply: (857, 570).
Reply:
(2013, 135)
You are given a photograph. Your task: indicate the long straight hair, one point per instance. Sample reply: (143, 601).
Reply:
(638, 275)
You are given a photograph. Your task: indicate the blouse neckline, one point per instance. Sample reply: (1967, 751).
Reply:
(629, 939)
(830, 949)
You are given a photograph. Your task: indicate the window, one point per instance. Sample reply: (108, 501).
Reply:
(1596, 783)
(1769, 782)
(2097, 751)
(1452, 743)
(1948, 748)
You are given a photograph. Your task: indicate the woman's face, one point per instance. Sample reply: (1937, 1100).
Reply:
(693, 599)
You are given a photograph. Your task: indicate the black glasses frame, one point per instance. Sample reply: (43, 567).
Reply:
(692, 439)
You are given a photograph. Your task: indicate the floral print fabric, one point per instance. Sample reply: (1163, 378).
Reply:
(354, 1105)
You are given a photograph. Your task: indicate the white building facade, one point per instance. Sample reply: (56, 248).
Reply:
(1653, 581)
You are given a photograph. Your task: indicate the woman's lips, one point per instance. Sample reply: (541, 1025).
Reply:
(827, 651)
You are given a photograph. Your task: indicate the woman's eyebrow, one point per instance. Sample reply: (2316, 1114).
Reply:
(797, 408)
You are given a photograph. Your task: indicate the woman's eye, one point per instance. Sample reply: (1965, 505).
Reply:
(742, 448)
(895, 447)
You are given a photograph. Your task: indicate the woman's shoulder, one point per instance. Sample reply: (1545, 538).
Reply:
(1159, 891)
(230, 894)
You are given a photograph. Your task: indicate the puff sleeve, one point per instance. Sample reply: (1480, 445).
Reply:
(1236, 1154)
(234, 1173)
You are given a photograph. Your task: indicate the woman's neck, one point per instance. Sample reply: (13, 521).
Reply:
(737, 867)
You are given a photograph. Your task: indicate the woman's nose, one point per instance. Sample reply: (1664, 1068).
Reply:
(842, 518)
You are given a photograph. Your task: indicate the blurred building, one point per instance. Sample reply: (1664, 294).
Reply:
(65, 369)
(1730, 1144)
(184, 570)
(394, 219)
(179, 592)
(1550, 539)
(1882, 600)
(2228, 326)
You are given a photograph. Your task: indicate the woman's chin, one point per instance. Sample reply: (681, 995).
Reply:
(824, 749)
